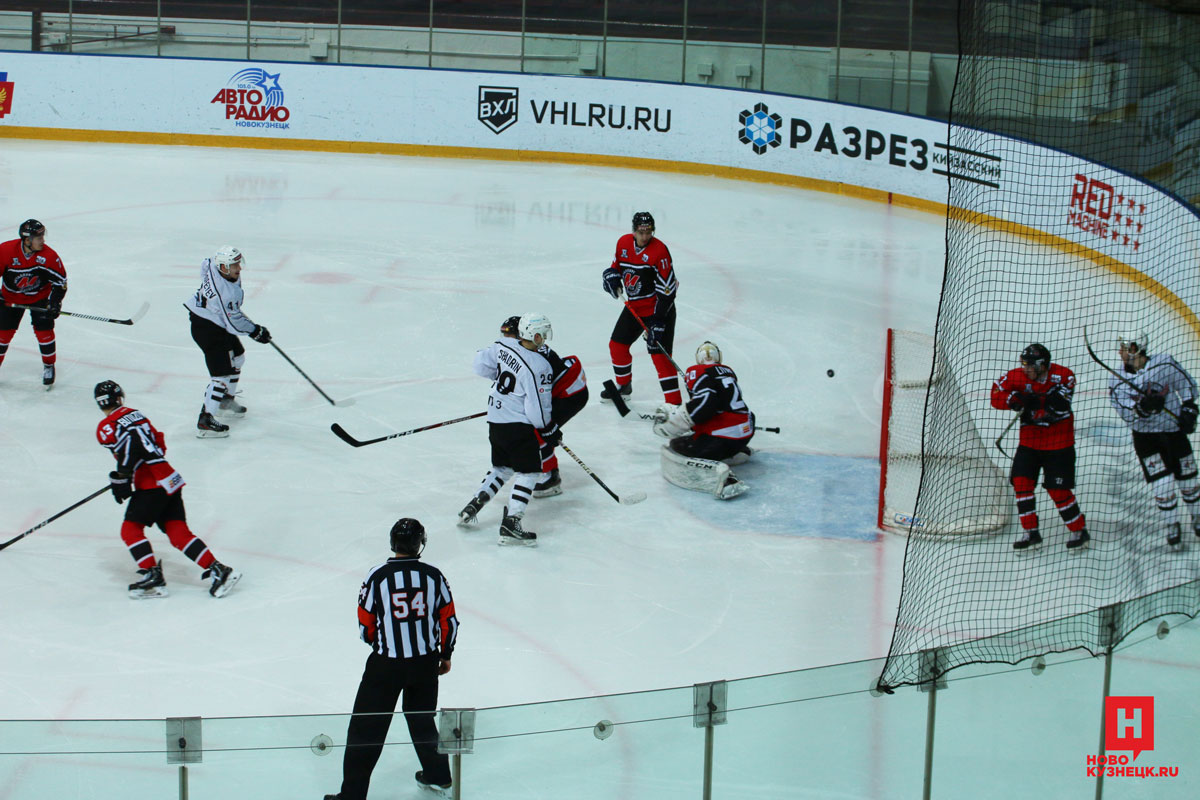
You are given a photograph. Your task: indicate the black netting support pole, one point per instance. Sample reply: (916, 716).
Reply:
(1109, 622)
(931, 670)
(35, 31)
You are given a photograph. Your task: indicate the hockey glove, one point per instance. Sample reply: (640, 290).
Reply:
(54, 303)
(1015, 401)
(551, 435)
(1056, 399)
(1187, 417)
(678, 423)
(261, 335)
(122, 489)
(1149, 404)
(655, 332)
(612, 282)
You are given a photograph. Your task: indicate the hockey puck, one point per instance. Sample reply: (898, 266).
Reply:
(829, 372)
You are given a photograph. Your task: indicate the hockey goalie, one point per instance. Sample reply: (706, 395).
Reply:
(709, 433)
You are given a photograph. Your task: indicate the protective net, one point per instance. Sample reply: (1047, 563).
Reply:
(1068, 178)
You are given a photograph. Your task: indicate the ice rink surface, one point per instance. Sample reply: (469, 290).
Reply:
(380, 277)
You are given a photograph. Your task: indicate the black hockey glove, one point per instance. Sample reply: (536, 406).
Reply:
(551, 435)
(1056, 399)
(261, 335)
(122, 489)
(655, 331)
(1015, 401)
(54, 303)
(1187, 417)
(1149, 404)
(612, 282)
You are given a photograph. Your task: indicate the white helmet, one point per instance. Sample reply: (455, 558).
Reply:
(228, 255)
(532, 324)
(708, 353)
(1135, 342)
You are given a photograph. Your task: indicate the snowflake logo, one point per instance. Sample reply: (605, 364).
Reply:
(759, 128)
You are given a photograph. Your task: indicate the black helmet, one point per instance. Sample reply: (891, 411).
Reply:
(30, 228)
(1036, 355)
(643, 218)
(109, 395)
(408, 536)
(511, 326)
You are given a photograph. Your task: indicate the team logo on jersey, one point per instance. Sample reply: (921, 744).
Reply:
(498, 107)
(6, 94)
(760, 128)
(253, 98)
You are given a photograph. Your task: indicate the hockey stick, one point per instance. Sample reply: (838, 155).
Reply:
(617, 398)
(1118, 375)
(302, 373)
(661, 349)
(141, 312)
(1004, 433)
(46, 522)
(350, 440)
(655, 418)
(627, 500)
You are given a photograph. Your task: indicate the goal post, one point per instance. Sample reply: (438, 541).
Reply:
(965, 491)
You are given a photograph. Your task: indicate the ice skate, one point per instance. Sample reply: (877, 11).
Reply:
(740, 457)
(47, 375)
(469, 515)
(511, 531)
(438, 789)
(1028, 539)
(151, 585)
(1174, 535)
(207, 427)
(551, 486)
(732, 487)
(223, 578)
(230, 406)
(625, 392)
(1078, 539)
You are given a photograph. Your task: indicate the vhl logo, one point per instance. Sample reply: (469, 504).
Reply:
(498, 107)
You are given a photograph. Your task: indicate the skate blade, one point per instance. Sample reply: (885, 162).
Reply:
(200, 434)
(148, 594)
(229, 583)
(551, 492)
(508, 541)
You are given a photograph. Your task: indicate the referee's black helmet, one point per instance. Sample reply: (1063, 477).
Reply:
(408, 536)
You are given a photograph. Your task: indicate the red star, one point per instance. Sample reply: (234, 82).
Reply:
(1139, 227)
(1128, 221)
(1136, 243)
(1131, 203)
(1143, 207)
(1116, 233)
(1126, 240)
(1120, 199)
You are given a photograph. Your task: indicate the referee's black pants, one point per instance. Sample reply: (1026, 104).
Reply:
(382, 682)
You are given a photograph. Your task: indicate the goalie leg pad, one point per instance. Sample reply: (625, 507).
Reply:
(700, 474)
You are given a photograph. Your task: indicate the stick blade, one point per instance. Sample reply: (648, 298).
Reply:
(340, 432)
(141, 312)
(633, 498)
(618, 400)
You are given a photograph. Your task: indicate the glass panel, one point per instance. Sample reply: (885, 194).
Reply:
(477, 35)
(284, 757)
(724, 43)
(1034, 731)
(215, 29)
(820, 733)
(71, 760)
(1164, 670)
(394, 33)
(651, 751)
(125, 28)
(564, 38)
(800, 41)
(653, 50)
(308, 32)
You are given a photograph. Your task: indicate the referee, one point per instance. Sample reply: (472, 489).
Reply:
(406, 614)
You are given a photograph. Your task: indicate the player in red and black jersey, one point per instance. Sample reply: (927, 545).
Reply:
(1041, 391)
(155, 494)
(31, 274)
(643, 271)
(717, 419)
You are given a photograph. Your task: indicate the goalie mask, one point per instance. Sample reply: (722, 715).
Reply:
(708, 353)
(532, 324)
(109, 395)
(407, 536)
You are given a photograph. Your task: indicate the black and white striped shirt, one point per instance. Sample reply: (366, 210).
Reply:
(405, 610)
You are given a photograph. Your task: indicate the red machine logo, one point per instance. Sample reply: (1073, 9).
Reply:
(1100, 209)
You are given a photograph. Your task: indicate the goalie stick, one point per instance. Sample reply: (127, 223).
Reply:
(628, 500)
(141, 312)
(658, 418)
(46, 522)
(350, 440)
(1004, 433)
(1118, 375)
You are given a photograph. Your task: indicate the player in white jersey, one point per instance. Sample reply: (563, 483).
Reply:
(1157, 399)
(519, 411)
(215, 311)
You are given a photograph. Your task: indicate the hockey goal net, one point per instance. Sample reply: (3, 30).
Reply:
(965, 491)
